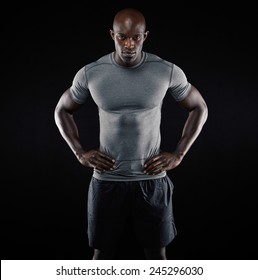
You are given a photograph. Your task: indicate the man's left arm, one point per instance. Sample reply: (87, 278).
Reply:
(197, 116)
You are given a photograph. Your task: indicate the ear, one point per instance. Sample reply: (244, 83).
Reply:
(146, 35)
(112, 34)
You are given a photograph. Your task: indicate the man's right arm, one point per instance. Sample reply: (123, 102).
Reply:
(67, 127)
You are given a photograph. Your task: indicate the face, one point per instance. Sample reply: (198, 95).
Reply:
(128, 36)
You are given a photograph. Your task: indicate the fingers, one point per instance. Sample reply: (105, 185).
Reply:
(101, 162)
(155, 166)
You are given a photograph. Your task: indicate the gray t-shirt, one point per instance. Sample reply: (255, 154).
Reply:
(129, 101)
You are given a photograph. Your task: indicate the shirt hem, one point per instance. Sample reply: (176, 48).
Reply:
(136, 178)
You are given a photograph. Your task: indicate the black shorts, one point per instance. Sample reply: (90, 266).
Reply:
(147, 204)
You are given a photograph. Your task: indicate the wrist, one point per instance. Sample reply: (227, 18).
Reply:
(79, 152)
(179, 154)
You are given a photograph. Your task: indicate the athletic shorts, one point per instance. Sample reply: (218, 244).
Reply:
(146, 203)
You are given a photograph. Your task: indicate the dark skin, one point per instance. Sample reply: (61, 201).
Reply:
(129, 33)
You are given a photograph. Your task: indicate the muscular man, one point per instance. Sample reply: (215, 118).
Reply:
(129, 179)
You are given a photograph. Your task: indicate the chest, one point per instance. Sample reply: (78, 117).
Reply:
(125, 89)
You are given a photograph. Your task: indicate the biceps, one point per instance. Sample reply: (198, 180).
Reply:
(67, 103)
(193, 100)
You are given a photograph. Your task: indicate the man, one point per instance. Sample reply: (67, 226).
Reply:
(129, 170)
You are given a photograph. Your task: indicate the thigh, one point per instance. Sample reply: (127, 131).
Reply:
(106, 213)
(153, 213)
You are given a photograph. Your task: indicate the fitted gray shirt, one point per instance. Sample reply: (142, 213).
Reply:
(129, 101)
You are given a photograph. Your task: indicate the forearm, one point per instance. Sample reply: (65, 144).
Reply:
(69, 131)
(191, 130)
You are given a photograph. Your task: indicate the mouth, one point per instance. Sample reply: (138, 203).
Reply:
(129, 54)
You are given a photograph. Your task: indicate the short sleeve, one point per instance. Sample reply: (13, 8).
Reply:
(79, 87)
(179, 87)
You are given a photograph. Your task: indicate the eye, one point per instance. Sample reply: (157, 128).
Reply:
(121, 37)
(137, 37)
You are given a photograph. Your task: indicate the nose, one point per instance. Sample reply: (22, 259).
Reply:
(129, 43)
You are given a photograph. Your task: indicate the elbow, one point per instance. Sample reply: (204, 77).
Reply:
(204, 110)
(56, 114)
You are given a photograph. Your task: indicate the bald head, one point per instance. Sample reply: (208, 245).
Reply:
(129, 18)
(129, 33)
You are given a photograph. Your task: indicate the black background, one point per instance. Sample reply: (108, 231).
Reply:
(44, 188)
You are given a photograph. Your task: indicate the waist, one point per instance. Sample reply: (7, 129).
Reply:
(127, 170)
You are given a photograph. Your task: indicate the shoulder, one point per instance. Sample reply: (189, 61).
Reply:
(105, 59)
(102, 60)
(176, 69)
(153, 58)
